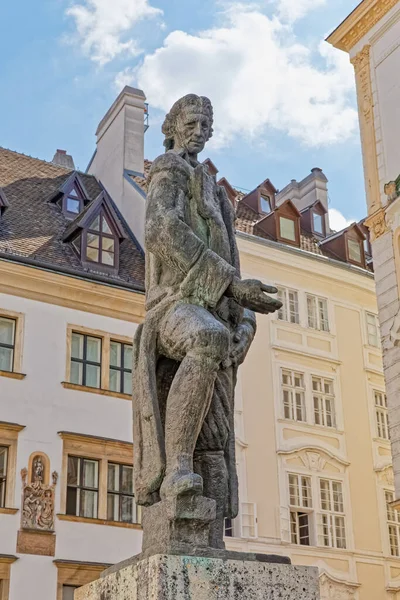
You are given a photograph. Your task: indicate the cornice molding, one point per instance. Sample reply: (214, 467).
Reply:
(359, 23)
(71, 292)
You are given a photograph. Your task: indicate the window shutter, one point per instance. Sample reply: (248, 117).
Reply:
(284, 516)
(248, 520)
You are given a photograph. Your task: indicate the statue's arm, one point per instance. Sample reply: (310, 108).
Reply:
(168, 236)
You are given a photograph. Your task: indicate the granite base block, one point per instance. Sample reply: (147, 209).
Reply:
(166, 577)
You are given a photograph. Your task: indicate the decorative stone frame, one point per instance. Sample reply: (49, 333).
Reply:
(9, 437)
(106, 339)
(5, 568)
(104, 450)
(19, 319)
(76, 573)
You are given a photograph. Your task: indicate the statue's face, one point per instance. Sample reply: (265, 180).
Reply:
(192, 131)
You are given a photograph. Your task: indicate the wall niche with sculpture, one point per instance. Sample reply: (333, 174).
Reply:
(38, 494)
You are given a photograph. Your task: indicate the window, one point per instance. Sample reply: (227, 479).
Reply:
(332, 530)
(318, 223)
(287, 228)
(121, 367)
(120, 498)
(99, 361)
(300, 498)
(265, 204)
(354, 248)
(381, 414)
(100, 242)
(3, 474)
(86, 360)
(73, 201)
(293, 392)
(228, 531)
(393, 521)
(82, 487)
(7, 344)
(99, 481)
(317, 309)
(290, 305)
(68, 592)
(323, 402)
(373, 330)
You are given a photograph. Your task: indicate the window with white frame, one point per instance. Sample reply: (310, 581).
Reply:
(381, 415)
(293, 395)
(317, 311)
(332, 528)
(393, 522)
(300, 501)
(323, 402)
(373, 330)
(290, 305)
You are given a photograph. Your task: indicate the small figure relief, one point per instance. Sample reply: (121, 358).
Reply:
(38, 498)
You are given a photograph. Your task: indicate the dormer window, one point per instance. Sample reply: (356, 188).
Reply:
(100, 242)
(73, 202)
(265, 204)
(354, 250)
(287, 229)
(318, 223)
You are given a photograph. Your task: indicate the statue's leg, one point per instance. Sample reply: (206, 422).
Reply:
(211, 455)
(204, 342)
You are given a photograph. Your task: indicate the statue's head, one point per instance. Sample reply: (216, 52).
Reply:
(188, 124)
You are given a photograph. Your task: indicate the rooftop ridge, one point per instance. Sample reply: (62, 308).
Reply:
(42, 160)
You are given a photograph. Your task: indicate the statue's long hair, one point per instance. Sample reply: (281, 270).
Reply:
(202, 105)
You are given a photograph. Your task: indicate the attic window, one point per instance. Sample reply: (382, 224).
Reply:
(318, 223)
(74, 199)
(287, 229)
(101, 243)
(354, 250)
(265, 202)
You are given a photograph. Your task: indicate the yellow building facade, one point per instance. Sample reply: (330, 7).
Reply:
(318, 460)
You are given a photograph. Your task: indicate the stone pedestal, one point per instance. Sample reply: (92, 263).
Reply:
(169, 577)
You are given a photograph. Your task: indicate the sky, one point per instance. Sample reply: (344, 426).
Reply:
(284, 100)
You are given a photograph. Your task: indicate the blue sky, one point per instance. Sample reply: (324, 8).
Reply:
(284, 102)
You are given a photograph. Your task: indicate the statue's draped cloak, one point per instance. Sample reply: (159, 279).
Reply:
(194, 260)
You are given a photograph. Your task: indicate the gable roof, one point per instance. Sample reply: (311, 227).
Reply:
(64, 187)
(85, 218)
(4, 203)
(32, 228)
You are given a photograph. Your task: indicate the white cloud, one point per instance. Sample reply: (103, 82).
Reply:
(257, 77)
(101, 25)
(292, 10)
(337, 221)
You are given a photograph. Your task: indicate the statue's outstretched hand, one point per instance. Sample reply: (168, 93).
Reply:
(252, 294)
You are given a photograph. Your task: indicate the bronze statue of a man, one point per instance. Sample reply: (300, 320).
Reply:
(199, 326)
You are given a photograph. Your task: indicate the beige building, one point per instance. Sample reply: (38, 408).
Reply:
(313, 452)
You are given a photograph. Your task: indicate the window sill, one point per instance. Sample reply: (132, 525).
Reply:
(8, 511)
(12, 375)
(75, 519)
(91, 390)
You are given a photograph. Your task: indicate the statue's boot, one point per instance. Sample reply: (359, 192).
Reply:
(188, 402)
(181, 480)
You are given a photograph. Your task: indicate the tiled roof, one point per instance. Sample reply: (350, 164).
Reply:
(246, 218)
(32, 227)
(142, 181)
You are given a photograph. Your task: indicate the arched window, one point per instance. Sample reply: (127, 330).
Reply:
(101, 243)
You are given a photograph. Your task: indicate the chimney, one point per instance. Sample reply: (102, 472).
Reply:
(119, 155)
(62, 159)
